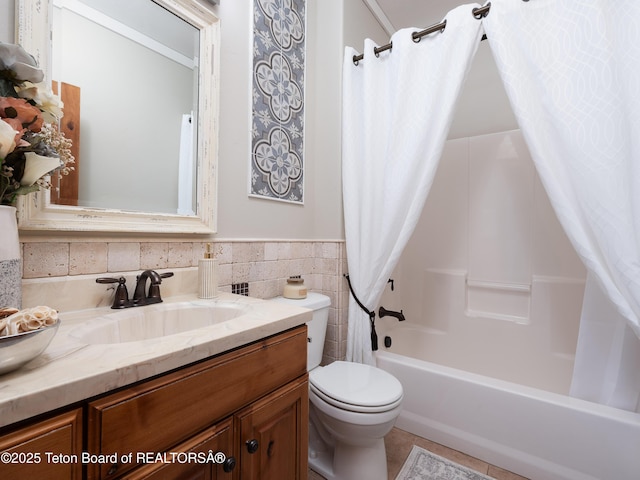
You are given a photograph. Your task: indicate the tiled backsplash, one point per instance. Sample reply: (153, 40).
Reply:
(264, 265)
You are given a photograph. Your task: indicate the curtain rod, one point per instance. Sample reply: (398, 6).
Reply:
(479, 13)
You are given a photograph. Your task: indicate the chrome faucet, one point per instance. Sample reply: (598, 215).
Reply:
(140, 295)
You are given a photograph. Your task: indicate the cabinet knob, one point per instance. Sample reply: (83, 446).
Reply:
(113, 469)
(229, 464)
(252, 445)
(270, 448)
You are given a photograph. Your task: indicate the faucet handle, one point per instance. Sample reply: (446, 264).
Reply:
(121, 299)
(154, 289)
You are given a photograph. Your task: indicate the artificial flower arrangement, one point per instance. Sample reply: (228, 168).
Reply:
(31, 145)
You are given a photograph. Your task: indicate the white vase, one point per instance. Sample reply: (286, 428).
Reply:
(10, 261)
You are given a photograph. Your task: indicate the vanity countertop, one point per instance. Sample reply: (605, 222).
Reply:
(69, 371)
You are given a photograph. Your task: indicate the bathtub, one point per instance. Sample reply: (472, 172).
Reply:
(538, 434)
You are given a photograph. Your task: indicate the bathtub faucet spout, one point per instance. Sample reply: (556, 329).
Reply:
(383, 312)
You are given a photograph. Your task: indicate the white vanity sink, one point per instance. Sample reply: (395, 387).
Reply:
(154, 321)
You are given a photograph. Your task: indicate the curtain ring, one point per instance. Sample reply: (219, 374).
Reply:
(480, 13)
(377, 50)
(417, 36)
(355, 60)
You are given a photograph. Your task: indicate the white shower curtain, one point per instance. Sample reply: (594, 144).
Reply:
(572, 73)
(397, 109)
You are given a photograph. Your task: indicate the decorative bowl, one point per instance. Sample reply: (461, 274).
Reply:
(16, 350)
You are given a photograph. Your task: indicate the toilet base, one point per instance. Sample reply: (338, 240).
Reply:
(348, 462)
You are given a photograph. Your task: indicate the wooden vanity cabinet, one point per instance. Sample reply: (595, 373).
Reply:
(250, 404)
(262, 389)
(32, 448)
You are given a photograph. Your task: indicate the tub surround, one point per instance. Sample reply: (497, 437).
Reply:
(492, 292)
(70, 371)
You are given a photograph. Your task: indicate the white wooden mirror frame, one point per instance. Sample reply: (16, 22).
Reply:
(35, 212)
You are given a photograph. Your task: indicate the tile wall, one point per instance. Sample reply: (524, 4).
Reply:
(264, 265)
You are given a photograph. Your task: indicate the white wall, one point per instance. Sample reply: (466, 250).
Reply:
(330, 25)
(7, 14)
(240, 216)
(323, 114)
(359, 23)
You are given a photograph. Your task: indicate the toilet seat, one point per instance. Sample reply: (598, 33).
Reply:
(356, 387)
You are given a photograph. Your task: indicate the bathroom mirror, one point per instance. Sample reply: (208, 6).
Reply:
(157, 187)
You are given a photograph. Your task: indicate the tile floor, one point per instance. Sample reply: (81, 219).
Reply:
(399, 444)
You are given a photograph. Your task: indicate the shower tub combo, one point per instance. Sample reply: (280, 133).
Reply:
(479, 389)
(492, 292)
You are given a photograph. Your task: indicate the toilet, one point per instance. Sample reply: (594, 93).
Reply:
(351, 406)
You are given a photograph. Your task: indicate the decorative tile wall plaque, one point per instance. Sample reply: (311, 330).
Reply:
(277, 131)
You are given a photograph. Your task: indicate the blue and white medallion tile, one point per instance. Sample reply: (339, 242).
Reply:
(277, 156)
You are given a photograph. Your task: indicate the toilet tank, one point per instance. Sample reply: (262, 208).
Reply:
(317, 327)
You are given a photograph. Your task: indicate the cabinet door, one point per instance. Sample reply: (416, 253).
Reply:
(189, 460)
(272, 435)
(48, 449)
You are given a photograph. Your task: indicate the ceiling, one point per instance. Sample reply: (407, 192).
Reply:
(397, 14)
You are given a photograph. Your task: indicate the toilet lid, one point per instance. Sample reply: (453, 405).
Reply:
(356, 384)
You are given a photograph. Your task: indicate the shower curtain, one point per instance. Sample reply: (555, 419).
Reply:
(572, 73)
(396, 115)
